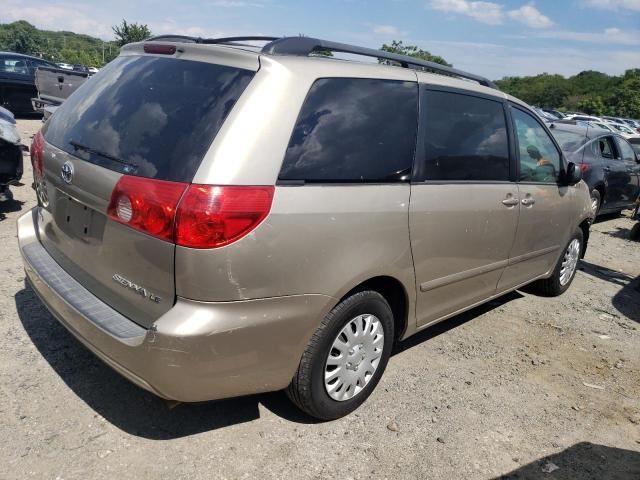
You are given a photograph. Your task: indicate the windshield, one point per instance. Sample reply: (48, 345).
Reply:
(570, 141)
(148, 116)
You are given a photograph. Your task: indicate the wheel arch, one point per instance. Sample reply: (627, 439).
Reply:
(585, 226)
(394, 291)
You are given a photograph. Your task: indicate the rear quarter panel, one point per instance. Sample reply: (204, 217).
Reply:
(317, 239)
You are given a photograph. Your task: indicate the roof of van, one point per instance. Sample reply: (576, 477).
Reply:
(290, 50)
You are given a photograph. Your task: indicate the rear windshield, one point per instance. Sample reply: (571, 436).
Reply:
(148, 116)
(570, 141)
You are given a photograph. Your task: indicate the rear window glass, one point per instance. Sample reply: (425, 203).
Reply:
(569, 141)
(465, 138)
(354, 130)
(148, 116)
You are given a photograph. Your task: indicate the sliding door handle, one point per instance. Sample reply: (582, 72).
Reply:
(528, 201)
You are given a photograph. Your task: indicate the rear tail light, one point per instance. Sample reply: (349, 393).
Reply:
(159, 49)
(194, 216)
(37, 148)
(146, 205)
(211, 216)
(584, 167)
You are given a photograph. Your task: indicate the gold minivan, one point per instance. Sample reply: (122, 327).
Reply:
(216, 219)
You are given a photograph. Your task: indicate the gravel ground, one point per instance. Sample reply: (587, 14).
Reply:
(516, 388)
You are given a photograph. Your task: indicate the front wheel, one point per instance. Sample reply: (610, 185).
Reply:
(565, 270)
(345, 358)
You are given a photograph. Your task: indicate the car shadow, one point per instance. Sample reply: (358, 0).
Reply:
(8, 207)
(141, 413)
(619, 232)
(583, 461)
(627, 300)
(605, 217)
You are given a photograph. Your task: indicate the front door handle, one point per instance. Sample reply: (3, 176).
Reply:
(510, 202)
(607, 169)
(528, 201)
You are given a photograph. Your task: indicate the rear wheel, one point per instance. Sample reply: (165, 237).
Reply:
(596, 200)
(345, 358)
(565, 270)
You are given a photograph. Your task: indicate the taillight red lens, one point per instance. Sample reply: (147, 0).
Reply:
(212, 216)
(584, 167)
(36, 152)
(147, 205)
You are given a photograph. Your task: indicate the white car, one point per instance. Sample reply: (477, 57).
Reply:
(65, 66)
(93, 70)
(585, 118)
(624, 130)
(603, 126)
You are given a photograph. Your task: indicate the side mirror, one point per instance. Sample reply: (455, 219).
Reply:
(574, 174)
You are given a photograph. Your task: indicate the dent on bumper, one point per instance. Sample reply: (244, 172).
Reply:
(197, 350)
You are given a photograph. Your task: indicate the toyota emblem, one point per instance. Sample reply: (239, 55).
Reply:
(67, 172)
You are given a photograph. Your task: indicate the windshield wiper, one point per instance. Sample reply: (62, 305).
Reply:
(79, 146)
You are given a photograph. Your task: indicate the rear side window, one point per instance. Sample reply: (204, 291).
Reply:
(464, 137)
(354, 130)
(603, 147)
(148, 116)
(16, 66)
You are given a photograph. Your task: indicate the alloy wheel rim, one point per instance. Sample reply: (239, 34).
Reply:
(354, 357)
(595, 203)
(569, 261)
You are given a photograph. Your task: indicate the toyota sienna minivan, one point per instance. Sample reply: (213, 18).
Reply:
(216, 219)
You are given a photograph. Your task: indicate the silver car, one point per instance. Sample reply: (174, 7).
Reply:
(217, 220)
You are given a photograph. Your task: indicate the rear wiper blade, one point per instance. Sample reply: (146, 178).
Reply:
(79, 146)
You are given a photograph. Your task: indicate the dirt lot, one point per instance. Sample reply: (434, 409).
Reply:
(515, 388)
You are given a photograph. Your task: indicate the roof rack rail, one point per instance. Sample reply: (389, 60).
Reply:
(239, 39)
(210, 41)
(304, 46)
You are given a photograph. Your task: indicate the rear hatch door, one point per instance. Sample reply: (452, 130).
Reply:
(148, 116)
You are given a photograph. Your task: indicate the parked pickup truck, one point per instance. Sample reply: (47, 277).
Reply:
(54, 86)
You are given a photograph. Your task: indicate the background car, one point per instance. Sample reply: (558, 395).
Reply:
(17, 84)
(555, 113)
(65, 66)
(77, 67)
(610, 165)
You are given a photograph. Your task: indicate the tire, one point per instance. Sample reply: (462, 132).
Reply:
(556, 285)
(308, 390)
(595, 197)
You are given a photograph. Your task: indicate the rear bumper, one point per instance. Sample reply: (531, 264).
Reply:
(197, 350)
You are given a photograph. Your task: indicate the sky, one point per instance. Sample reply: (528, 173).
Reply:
(491, 38)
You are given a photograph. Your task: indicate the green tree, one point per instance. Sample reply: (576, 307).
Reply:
(592, 105)
(130, 32)
(413, 51)
(625, 100)
(21, 37)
